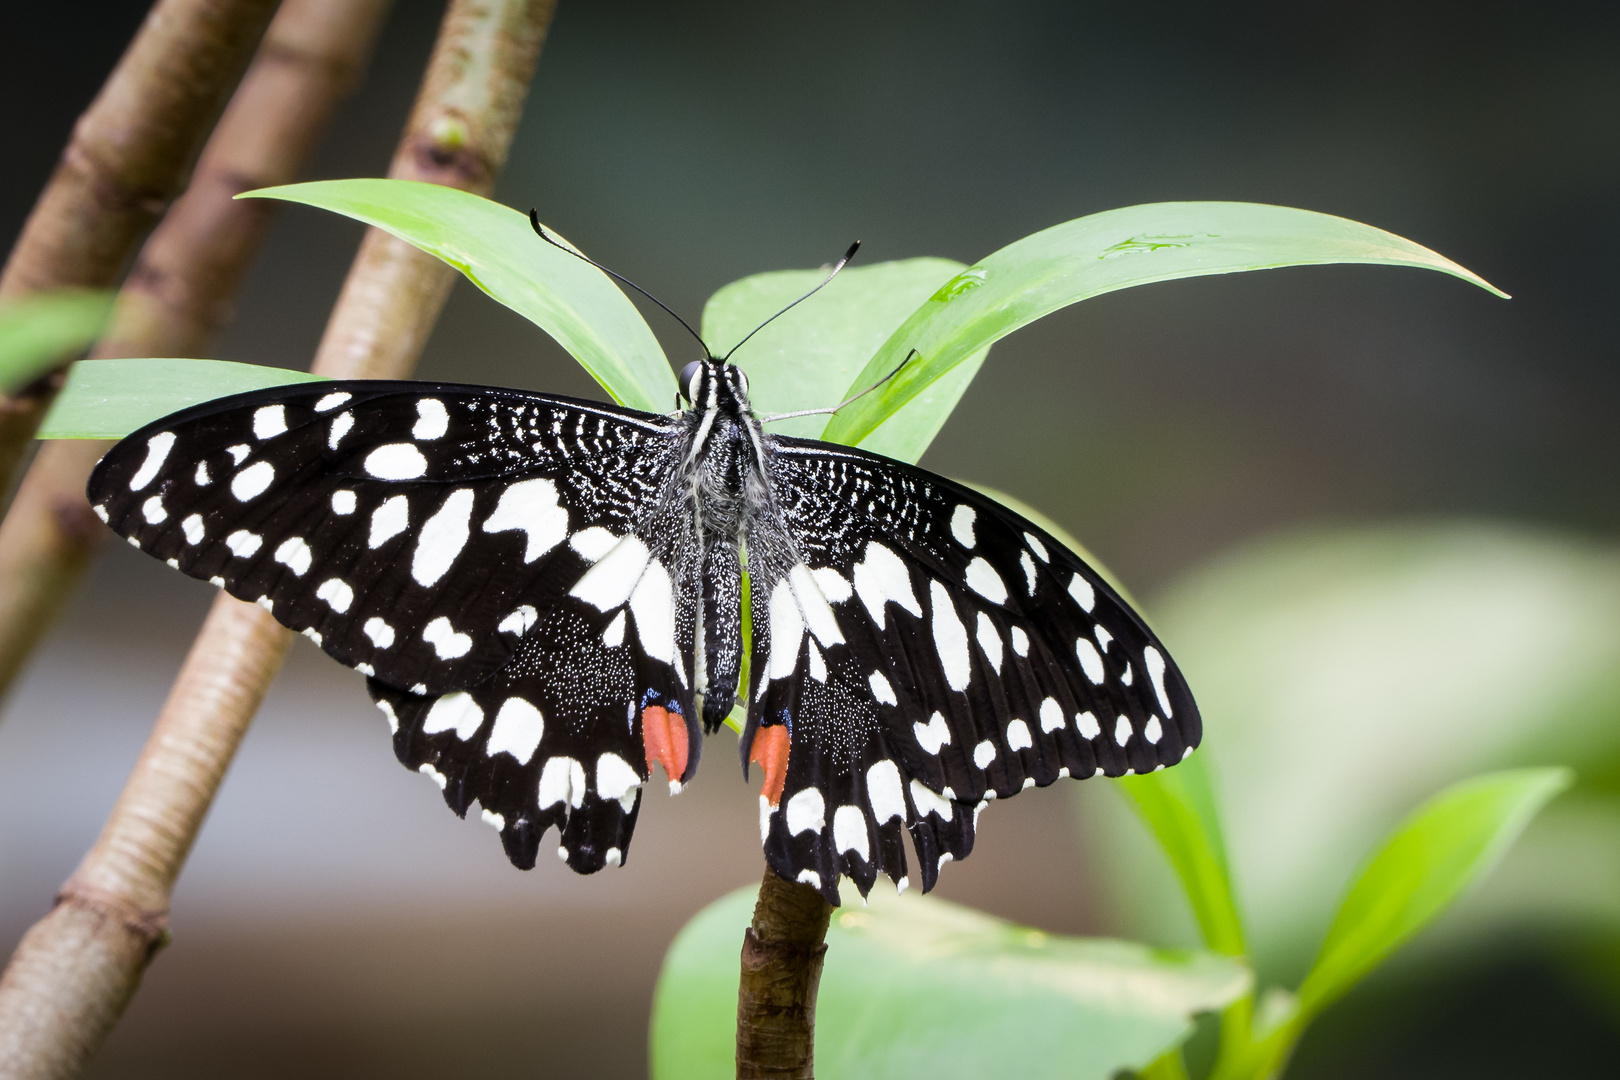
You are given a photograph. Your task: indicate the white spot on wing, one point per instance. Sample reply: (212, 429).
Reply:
(336, 593)
(243, 544)
(433, 774)
(983, 579)
(990, 641)
(446, 642)
(1155, 666)
(1122, 730)
(810, 878)
(882, 689)
(881, 577)
(153, 510)
(806, 812)
(1018, 736)
(984, 754)
(239, 452)
(610, 582)
(613, 636)
(818, 615)
(442, 538)
(849, 832)
(1020, 641)
(1087, 723)
(432, 421)
(157, 451)
(932, 735)
(193, 528)
(653, 605)
(787, 630)
(927, 802)
(592, 543)
(1051, 715)
(388, 521)
(341, 424)
(950, 638)
(344, 502)
(201, 477)
(562, 780)
(456, 712)
(295, 555)
(493, 820)
(1029, 572)
(332, 401)
(1154, 730)
(833, 585)
(517, 731)
(269, 421)
(615, 779)
(1083, 593)
(380, 633)
(1037, 547)
(519, 621)
(963, 519)
(531, 505)
(395, 461)
(883, 792)
(251, 481)
(1091, 662)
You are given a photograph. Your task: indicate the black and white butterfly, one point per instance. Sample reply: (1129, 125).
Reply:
(547, 594)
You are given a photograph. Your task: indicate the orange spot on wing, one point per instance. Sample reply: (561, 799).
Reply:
(663, 735)
(770, 751)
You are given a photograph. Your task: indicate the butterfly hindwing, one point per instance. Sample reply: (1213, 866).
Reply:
(975, 656)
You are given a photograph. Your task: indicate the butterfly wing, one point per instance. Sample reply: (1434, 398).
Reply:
(925, 651)
(481, 554)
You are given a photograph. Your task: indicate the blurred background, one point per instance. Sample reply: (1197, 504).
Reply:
(1372, 511)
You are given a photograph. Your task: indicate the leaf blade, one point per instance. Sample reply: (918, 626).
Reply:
(497, 250)
(1116, 249)
(108, 399)
(37, 331)
(915, 986)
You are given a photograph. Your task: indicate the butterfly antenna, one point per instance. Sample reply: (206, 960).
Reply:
(848, 401)
(540, 231)
(839, 265)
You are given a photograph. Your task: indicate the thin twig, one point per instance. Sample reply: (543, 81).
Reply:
(128, 157)
(180, 292)
(781, 970)
(76, 968)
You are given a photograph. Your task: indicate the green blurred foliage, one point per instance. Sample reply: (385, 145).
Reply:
(37, 332)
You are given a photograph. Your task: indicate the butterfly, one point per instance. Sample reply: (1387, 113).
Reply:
(548, 599)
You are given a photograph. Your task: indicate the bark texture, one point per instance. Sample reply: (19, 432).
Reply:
(77, 968)
(180, 291)
(782, 955)
(128, 156)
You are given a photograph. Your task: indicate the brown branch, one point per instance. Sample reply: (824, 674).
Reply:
(128, 156)
(76, 969)
(781, 969)
(180, 292)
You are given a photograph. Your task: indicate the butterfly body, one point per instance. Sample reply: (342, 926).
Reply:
(547, 597)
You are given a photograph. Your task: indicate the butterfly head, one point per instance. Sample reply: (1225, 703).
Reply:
(710, 381)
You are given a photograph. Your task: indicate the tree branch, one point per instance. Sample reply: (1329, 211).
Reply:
(128, 156)
(76, 969)
(781, 970)
(180, 292)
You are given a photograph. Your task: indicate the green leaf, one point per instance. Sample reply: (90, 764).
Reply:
(108, 399)
(1443, 847)
(1179, 807)
(1112, 250)
(919, 987)
(37, 331)
(495, 247)
(810, 357)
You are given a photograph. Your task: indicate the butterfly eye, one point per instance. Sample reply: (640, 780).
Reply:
(689, 380)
